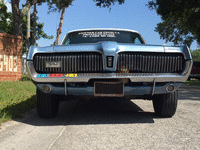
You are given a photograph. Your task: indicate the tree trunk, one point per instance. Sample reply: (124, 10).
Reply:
(59, 30)
(34, 25)
(28, 24)
(17, 18)
(28, 28)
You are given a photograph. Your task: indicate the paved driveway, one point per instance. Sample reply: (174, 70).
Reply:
(109, 124)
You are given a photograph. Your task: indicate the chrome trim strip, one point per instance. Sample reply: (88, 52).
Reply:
(188, 67)
(134, 77)
(65, 84)
(153, 88)
(117, 29)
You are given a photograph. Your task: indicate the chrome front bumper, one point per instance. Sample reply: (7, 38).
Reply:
(134, 77)
(89, 90)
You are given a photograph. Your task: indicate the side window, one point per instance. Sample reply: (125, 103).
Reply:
(137, 41)
(67, 42)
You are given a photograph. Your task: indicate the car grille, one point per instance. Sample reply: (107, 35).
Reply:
(70, 62)
(150, 62)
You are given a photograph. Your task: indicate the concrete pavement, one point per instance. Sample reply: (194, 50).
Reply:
(108, 124)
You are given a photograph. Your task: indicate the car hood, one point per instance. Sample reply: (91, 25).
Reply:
(108, 47)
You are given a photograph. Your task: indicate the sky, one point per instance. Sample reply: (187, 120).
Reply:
(84, 14)
(8, 5)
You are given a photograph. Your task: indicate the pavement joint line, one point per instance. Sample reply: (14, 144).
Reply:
(57, 138)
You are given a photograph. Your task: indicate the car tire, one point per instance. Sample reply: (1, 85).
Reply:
(165, 104)
(47, 105)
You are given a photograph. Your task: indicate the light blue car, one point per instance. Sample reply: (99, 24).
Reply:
(108, 63)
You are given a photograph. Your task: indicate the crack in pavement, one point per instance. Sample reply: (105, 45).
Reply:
(57, 138)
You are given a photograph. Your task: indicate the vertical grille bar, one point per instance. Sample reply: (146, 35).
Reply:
(70, 62)
(150, 62)
(100, 62)
(93, 62)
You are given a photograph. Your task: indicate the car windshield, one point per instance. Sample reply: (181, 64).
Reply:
(94, 36)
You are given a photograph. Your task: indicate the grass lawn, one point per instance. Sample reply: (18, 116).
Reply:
(16, 98)
(193, 82)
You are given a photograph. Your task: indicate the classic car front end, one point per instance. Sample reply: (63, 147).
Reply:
(108, 63)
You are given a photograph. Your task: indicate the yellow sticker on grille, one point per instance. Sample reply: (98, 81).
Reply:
(71, 75)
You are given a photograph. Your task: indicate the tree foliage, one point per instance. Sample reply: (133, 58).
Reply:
(58, 5)
(7, 25)
(196, 55)
(18, 14)
(107, 3)
(39, 29)
(180, 20)
(5, 19)
(54, 6)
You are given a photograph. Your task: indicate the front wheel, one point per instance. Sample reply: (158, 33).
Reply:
(47, 105)
(165, 104)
